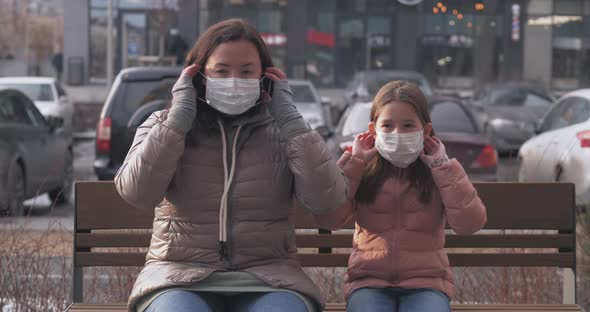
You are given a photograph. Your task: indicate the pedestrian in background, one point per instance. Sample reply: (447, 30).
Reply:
(58, 62)
(224, 166)
(403, 190)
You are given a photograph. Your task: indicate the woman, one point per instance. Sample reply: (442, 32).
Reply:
(223, 167)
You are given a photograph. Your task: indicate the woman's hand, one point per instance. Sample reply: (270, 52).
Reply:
(191, 71)
(363, 146)
(434, 153)
(275, 74)
(184, 101)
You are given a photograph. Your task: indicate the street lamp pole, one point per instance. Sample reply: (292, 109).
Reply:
(110, 58)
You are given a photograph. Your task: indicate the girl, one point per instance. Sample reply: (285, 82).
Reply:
(403, 189)
(223, 166)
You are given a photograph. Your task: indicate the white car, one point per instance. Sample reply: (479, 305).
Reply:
(561, 150)
(314, 108)
(47, 94)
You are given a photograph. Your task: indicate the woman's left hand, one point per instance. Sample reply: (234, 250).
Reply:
(275, 74)
(434, 153)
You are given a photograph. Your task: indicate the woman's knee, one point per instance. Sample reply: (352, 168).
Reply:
(271, 301)
(184, 301)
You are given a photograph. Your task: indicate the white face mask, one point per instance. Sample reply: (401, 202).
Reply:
(400, 149)
(232, 96)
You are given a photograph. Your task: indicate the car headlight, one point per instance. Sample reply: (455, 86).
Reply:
(527, 126)
(501, 122)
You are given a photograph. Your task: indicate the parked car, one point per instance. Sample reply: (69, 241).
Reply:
(507, 113)
(139, 91)
(136, 93)
(47, 94)
(35, 154)
(365, 84)
(561, 150)
(315, 109)
(453, 124)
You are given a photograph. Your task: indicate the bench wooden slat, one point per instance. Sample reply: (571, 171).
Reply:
(460, 260)
(98, 202)
(333, 307)
(511, 241)
(562, 259)
(89, 240)
(454, 241)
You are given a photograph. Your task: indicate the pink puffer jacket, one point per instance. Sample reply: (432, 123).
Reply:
(399, 241)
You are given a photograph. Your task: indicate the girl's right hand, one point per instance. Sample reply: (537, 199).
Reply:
(364, 146)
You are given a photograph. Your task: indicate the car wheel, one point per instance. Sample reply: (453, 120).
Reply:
(61, 195)
(558, 171)
(521, 171)
(16, 193)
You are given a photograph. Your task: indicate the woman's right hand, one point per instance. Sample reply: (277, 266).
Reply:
(184, 101)
(363, 146)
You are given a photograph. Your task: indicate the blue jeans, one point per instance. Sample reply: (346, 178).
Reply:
(190, 301)
(397, 300)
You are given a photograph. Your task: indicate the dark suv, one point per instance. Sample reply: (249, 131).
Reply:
(136, 93)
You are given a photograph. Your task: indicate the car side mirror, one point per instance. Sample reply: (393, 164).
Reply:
(324, 131)
(54, 123)
(538, 126)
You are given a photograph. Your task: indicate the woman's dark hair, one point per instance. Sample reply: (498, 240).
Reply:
(379, 168)
(234, 29)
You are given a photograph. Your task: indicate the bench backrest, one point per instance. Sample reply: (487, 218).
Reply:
(103, 220)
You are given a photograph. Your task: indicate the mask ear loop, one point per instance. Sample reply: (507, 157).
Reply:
(198, 97)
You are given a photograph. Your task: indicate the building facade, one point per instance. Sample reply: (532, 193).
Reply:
(454, 43)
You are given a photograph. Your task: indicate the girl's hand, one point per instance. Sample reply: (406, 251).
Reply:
(434, 153)
(364, 146)
(275, 74)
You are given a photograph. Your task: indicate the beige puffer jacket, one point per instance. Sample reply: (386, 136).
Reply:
(268, 175)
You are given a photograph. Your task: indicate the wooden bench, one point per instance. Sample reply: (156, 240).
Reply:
(547, 208)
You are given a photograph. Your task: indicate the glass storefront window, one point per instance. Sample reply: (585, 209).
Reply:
(98, 39)
(320, 55)
(567, 51)
(379, 42)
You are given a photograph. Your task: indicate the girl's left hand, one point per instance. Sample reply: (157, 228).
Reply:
(434, 153)
(275, 74)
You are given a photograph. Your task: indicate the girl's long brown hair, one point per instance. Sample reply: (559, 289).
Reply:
(234, 29)
(379, 169)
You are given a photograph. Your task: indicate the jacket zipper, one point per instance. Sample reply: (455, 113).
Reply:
(395, 245)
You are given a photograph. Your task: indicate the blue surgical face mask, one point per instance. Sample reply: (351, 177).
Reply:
(232, 96)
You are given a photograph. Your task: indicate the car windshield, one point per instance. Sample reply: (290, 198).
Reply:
(357, 120)
(36, 92)
(139, 93)
(445, 116)
(302, 93)
(518, 97)
(450, 117)
(374, 83)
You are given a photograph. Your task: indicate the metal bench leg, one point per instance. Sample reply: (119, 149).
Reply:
(569, 286)
(78, 285)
